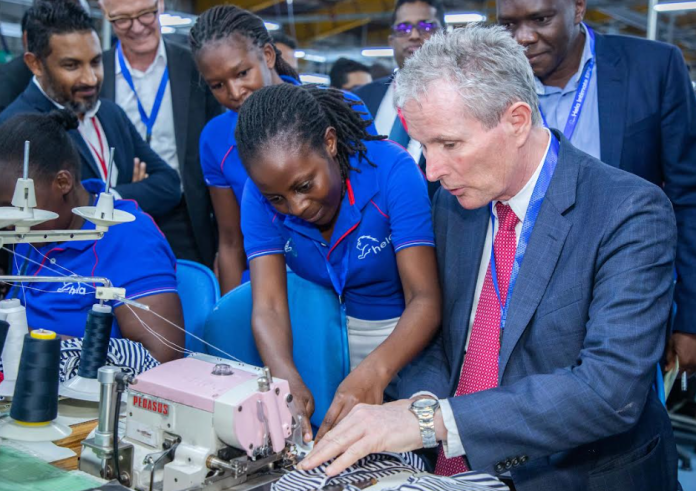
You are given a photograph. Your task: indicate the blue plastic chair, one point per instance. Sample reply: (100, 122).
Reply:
(320, 343)
(199, 291)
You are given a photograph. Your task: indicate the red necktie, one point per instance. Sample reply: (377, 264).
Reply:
(480, 369)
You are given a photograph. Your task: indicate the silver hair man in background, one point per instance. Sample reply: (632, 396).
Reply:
(556, 273)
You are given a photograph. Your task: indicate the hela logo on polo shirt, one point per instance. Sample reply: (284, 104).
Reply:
(72, 289)
(367, 245)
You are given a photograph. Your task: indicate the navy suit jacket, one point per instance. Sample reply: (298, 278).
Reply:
(372, 95)
(193, 107)
(647, 119)
(574, 410)
(157, 194)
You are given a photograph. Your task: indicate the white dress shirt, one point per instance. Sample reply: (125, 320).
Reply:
(95, 138)
(146, 83)
(519, 203)
(384, 120)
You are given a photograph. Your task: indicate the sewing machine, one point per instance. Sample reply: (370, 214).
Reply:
(197, 423)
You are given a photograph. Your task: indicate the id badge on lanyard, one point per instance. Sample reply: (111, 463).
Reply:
(530, 218)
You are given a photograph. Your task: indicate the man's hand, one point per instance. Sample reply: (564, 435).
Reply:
(683, 345)
(360, 386)
(367, 429)
(139, 170)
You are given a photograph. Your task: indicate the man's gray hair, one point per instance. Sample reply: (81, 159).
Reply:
(485, 64)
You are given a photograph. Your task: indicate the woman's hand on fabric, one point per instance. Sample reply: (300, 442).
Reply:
(362, 385)
(304, 404)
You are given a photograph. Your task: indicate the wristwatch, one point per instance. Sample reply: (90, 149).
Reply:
(424, 409)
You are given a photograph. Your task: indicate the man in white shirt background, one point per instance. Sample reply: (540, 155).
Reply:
(156, 82)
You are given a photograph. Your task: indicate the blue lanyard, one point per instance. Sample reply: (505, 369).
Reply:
(527, 226)
(337, 280)
(580, 93)
(148, 121)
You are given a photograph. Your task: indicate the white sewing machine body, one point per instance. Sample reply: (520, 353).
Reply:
(203, 423)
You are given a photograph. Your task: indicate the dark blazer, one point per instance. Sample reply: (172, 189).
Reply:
(14, 77)
(194, 106)
(373, 93)
(574, 410)
(157, 194)
(647, 119)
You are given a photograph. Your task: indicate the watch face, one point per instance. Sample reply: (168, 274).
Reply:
(424, 403)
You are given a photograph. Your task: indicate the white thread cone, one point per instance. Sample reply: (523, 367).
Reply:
(15, 314)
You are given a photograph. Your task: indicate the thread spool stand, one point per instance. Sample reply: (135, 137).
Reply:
(35, 400)
(85, 386)
(14, 314)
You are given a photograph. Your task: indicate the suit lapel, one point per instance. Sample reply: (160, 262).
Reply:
(179, 81)
(545, 246)
(612, 98)
(108, 91)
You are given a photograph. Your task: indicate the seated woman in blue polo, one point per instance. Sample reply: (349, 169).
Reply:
(345, 209)
(134, 255)
(236, 56)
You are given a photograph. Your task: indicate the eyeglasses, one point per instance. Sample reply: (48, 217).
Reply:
(125, 22)
(424, 28)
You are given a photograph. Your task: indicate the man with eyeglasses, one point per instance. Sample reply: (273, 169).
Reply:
(413, 22)
(156, 83)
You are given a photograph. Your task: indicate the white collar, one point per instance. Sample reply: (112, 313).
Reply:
(89, 114)
(520, 202)
(160, 59)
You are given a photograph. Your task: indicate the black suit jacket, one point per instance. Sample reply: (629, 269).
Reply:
(194, 106)
(647, 122)
(14, 77)
(157, 195)
(373, 93)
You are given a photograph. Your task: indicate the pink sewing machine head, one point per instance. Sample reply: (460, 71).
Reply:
(199, 421)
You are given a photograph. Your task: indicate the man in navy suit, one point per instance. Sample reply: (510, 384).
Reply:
(639, 115)
(65, 57)
(556, 272)
(413, 22)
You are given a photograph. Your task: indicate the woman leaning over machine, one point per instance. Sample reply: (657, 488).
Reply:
(344, 209)
(236, 56)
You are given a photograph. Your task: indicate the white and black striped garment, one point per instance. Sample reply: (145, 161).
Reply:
(381, 467)
(132, 357)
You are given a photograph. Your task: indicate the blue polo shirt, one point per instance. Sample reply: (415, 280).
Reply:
(385, 209)
(133, 255)
(222, 167)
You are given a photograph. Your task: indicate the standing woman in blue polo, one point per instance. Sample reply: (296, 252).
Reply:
(345, 209)
(235, 56)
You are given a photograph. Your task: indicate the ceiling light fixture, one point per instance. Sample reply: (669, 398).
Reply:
(378, 52)
(464, 17)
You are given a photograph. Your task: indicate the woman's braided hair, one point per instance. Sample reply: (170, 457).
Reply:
(224, 21)
(287, 114)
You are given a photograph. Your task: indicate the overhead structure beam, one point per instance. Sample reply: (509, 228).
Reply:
(361, 12)
(250, 5)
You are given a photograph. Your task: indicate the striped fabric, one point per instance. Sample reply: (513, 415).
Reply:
(380, 467)
(132, 357)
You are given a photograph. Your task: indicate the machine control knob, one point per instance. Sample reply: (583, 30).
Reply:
(222, 370)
